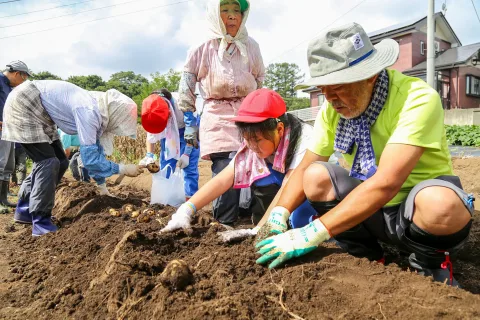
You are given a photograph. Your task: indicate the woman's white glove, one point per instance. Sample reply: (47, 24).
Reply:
(181, 219)
(232, 235)
(130, 170)
(102, 189)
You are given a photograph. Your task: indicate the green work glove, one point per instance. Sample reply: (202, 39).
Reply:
(293, 243)
(276, 224)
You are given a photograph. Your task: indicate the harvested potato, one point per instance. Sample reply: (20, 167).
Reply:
(74, 184)
(143, 219)
(114, 212)
(177, 275)
(153, 167)
(135, 214)
(129, 208)
(149, 212)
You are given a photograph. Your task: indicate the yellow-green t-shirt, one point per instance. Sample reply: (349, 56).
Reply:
(412, 115)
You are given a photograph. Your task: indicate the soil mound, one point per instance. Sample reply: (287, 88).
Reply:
(99, 266)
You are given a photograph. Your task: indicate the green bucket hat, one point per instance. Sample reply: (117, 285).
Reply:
(243, 4)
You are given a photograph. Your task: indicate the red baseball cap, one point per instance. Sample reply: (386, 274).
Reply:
(155, 114)
(260, 105)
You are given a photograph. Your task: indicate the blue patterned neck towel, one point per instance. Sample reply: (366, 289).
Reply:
(357, 131)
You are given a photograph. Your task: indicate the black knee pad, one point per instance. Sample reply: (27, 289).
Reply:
(324, 207)
(421, 236)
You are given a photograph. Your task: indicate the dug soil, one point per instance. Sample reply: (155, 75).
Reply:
(104, 264)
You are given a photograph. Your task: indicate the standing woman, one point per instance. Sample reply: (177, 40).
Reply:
(227, 67)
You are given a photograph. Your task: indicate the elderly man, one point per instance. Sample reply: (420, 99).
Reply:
(15, 74)
(401, 188)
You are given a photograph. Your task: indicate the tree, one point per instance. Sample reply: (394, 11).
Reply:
(91, 82)
(169, 81)
(297, 103)
(127, 82)
(45, 75)
(282, 77)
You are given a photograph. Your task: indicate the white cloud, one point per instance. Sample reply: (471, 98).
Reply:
(157, 39)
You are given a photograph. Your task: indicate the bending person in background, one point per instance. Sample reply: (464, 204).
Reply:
(32, 113)
(157, 109)
(227, 68)
(274, 144)
(79, 172)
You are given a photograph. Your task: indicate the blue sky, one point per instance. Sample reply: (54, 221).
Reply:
(157, 38)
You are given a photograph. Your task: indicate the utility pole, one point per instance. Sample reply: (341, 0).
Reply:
(431, 43)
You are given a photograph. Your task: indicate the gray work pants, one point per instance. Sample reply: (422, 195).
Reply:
(49, 165)
(7, 160)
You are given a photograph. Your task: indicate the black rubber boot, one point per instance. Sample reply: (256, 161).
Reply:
(4, 185)
(428, 259)
(429, 268)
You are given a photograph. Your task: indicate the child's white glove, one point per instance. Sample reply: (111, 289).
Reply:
(102, 189)
(181, 219)
(232, 235)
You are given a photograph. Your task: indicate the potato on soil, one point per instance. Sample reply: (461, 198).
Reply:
(177, 275)
(153, 167)
(143, 218)
(135, 214)
(114, 213)
(128, 208)
(74, 184)
(149, 212)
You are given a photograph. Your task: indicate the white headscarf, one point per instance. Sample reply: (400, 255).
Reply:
(119, 117)
(218, 30)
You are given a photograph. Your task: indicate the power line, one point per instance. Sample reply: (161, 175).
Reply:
(328, 25)
(41, 10)
(473, 4)
(68, 14)
(9, 1)
(104, 18)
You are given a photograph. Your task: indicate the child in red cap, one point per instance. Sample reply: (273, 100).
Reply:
(164, 122)
(274, 143)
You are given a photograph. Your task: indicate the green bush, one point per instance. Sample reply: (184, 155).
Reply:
(463, 135)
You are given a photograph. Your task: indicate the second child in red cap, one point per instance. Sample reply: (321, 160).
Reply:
(274, 143)
(164, 122)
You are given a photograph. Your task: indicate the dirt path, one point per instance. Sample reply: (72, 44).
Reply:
(100, 266)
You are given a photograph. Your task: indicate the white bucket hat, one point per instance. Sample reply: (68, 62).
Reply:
(345, 55)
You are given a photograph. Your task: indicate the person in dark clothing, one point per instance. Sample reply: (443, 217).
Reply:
(15, 74)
